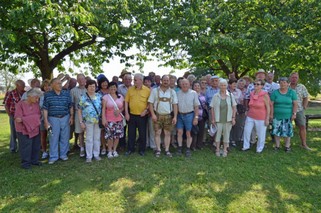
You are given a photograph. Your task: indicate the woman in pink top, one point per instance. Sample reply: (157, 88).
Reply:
(258, 116)
(113, 119)
(27, 123)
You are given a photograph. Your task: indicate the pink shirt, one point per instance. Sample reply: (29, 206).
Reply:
(257, 109)
(30, 115)
(110, 107)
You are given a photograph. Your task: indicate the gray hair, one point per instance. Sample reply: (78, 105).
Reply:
(139, 75)
(223, 81)
(34, 92)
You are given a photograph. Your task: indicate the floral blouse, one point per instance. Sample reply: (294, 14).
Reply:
(89, 113)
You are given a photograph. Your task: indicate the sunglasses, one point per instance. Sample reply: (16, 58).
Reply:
(257, 84)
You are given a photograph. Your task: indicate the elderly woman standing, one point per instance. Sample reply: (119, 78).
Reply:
(283, 112)
(89, 112)
(258, 116)
(27, 123)
(113, 105)
(223, 109)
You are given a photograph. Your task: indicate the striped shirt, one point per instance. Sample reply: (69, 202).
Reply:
(57, 105)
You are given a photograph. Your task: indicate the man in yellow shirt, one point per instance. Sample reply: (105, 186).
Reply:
(136, 110)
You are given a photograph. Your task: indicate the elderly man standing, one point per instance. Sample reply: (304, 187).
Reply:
(58, 115)
(188, 104)
(163, 109)
(300, 119)
(10, 101)
(136, 110)
(123, 89)
(76, 93)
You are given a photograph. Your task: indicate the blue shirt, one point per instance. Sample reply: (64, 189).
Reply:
(210, 92)
(89, 114)
(57, 105)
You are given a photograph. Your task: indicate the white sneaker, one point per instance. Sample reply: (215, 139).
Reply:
(64, 158)
(110, 155)
(115, 154)
(82, 153)
(97, 158)
(44, 155)
(103, 152)
(88, 160)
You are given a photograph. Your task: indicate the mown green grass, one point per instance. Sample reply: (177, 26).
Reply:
(242, 182)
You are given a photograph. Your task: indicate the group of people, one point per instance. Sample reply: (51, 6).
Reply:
(104, 117)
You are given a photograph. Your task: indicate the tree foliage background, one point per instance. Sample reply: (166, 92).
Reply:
(219, 37)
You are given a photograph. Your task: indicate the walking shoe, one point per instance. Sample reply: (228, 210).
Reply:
(218, 154)
(88, 160)
(64, 158)
(51, 162)
(110, 155)
(225, 154)
(115, 154)
(82, 153)
(188, 153)
(276, 148)
(103, 152)
(287, 149)
(157, 153)
(168, 154)
(306, 147)
(44, 155)
(97, 158)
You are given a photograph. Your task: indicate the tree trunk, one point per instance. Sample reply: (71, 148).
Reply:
(45, 69)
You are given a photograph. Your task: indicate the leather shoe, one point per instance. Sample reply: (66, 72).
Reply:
(141, 153)
(37, 164)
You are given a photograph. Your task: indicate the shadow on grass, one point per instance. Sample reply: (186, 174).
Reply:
(242, 182)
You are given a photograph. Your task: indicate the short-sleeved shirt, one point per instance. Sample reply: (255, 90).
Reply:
(137, 99)
(267, 88)
(76, 93)
(89, 114)
(57, 104)
(110, 107)
(283, 103)
(163, 100)
(187, 101)
(301, 92)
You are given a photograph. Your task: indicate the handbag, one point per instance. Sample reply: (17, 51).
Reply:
(116, 107)
(240, 109)
(100, 121)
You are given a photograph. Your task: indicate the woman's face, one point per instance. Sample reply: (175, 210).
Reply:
(34, 99)
(241, 84)
(284, 84)
(91, 88)
(46, 87)
(104, 85)
(197, 87)
(223, 86)
(257, 85)
(112, 89)
(203, 84)
(233, 86)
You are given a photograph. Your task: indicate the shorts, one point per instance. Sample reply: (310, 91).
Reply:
(282, 128)
(185, 121)
(114, 130)
(300, 119)
(163, 122)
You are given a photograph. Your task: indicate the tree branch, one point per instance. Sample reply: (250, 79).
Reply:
(75, 46)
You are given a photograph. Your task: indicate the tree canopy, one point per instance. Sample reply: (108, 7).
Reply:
(216, 36)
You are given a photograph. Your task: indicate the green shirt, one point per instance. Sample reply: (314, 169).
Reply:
(283, 103)
(223, 111)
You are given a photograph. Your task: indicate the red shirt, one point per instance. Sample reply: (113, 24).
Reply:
(11, 99)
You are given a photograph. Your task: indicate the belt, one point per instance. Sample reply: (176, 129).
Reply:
(58, 116)
(185, 113)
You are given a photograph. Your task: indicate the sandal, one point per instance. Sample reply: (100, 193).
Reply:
(157, 154)
(168, 154)
(225, 154)
(218, 153)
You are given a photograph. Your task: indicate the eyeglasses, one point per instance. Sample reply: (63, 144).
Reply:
(257, 84)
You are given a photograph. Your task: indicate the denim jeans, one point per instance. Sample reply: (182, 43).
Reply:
(59, 140)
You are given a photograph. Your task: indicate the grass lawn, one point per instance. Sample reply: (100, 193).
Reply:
(242, 182)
